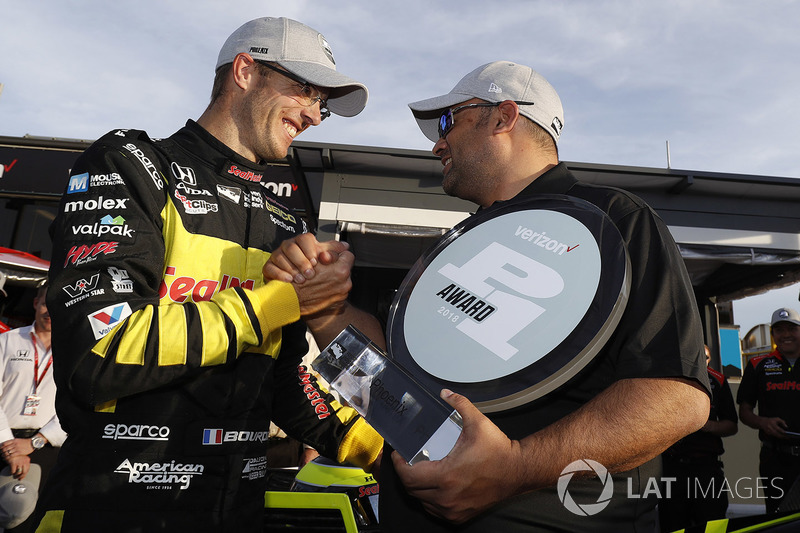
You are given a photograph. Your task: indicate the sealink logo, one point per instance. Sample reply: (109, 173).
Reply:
(583, 465)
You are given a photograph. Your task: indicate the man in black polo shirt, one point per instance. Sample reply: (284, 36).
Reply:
(772, 383)
(698, 493)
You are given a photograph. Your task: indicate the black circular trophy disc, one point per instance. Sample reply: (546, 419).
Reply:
(513, 302)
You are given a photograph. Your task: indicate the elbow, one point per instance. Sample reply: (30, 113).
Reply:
(698, 406)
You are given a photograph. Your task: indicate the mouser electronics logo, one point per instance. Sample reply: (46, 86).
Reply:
(502, 295)
(160, 475)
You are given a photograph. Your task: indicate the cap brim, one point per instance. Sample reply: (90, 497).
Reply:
(427, 112)
(347, 96)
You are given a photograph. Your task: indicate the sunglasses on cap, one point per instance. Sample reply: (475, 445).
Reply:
(446, 121)
(308, 95)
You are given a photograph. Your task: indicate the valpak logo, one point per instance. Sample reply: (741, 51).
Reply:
(106, 319)
(160, 475)
(113, 227)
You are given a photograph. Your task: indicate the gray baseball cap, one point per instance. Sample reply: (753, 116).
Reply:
(784, 314)
(497, 82)
(301, 50)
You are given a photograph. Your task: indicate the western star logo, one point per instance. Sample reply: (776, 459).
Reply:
(106, 319)
(97, 204)
(166, 474)
(83, 289)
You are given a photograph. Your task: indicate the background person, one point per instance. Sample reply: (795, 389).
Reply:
(496, 134)
(770, 384)
(698, 493)
(30, 431)
(172, 352)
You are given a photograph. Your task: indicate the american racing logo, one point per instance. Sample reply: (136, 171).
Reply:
(313, 394)
(136, 432)
(216, 436)
(113, 227)
(196, 207)
(160, 475)
(79, 255)
(98, 204)
(82, 182)
(147, 164)
(248, 175)
(83, 289)
(182, 287)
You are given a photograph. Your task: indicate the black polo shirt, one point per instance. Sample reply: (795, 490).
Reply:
(771, 384)
(659, 335)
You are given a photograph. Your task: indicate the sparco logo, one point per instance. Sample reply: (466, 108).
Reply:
(160, 475)
(147, 164)
(135, 432)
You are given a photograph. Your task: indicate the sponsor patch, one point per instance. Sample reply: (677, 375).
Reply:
(160, 475)
(107, 318)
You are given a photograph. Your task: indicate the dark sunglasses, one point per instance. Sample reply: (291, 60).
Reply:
(446, 121)
(308, 96)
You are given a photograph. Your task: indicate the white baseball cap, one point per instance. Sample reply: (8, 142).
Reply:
(301, 50)
(496, 82)
(18, 497)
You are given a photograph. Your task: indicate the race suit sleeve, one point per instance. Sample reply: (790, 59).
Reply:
(299, 399)
(109, 345)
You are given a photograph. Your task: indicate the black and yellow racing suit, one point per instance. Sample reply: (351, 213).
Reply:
(171, 353)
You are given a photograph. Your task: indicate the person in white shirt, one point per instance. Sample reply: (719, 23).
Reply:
(30, 431)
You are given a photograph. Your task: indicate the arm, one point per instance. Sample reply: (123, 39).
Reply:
(300, 261)
(725, 422)
(774, 426)
(485, 467)
(111, 344)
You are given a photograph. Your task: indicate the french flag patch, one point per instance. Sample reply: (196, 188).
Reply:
(212, 436)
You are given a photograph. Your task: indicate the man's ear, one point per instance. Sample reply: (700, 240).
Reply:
(243, 70)
(507, 117)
